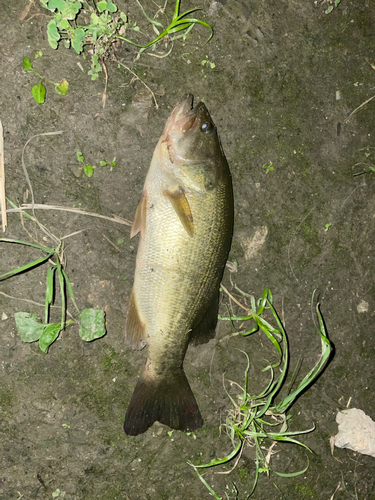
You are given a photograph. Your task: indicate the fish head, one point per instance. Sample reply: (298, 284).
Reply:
(190, 136)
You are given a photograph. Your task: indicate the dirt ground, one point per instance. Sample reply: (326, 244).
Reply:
(286, 76)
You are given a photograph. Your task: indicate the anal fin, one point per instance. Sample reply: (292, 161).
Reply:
(135, 331)
(181, 206)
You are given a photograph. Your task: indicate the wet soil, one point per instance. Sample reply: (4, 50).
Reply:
(285, 78)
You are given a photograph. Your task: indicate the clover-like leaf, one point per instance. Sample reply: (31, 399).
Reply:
(29, 326)
(91, 324)
(62, 87)
(53, 34)
(27, 64)
(39, 93)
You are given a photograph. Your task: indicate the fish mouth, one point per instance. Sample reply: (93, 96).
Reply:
(185, 116)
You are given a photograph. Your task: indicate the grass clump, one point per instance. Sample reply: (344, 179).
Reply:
(257, 420)
(106, 26)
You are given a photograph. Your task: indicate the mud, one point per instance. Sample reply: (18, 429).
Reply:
(286, 78)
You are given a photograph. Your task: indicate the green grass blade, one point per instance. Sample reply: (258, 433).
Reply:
(255, 478)
(246, 376)
(62, 290)
(49, 291)
(235, 318)
(265, 392)
(229, 396)
(176, 10)
(205, 483)
(266, 297)
(25, 214)
(221, 460)
(273, 340)
(70, 289)
(267, 325)
(129, 41)
(314, 372)
(292, 474)
(35, 245)
(179, 27)
(284, 369)
(290, 440)
(250, 332)
(21, 269)
(188, 12)
(206, 25)
(152, 21)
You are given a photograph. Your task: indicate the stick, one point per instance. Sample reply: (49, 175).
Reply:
(3, 208)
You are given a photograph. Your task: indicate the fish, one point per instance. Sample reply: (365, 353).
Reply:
(185, 221)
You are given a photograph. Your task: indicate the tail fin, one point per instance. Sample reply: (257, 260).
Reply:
(168, 400)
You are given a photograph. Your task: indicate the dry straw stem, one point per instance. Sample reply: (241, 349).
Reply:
(33, 302)
(36, 206)
(137, 77)
(357, 109)
(3, 207)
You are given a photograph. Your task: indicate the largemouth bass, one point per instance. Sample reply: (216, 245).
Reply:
(185, 220)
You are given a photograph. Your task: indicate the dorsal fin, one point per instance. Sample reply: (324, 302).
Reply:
(182, 208)
(139, 223)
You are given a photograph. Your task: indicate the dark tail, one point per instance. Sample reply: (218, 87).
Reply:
(168, 400)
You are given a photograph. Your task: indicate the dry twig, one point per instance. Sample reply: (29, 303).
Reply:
(3, 208)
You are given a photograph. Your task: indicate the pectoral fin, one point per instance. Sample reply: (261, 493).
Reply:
(182, 208)
(139, 223)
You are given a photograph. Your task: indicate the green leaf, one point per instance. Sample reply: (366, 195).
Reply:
(71, 10)
(78, 39)
(27, 64)
(53, 34)
(39, 92)
(91, 324)
(62, 87)
(56, 4)
(29, 326)
(124, 17)
(80, 157)
(49, 336)
(89, 170)
(102, 6)
(111, 7)
(103, 163)
(63, 24)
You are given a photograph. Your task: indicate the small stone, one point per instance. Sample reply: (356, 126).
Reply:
(362, 307)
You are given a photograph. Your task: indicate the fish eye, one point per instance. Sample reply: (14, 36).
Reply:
(207, 127)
